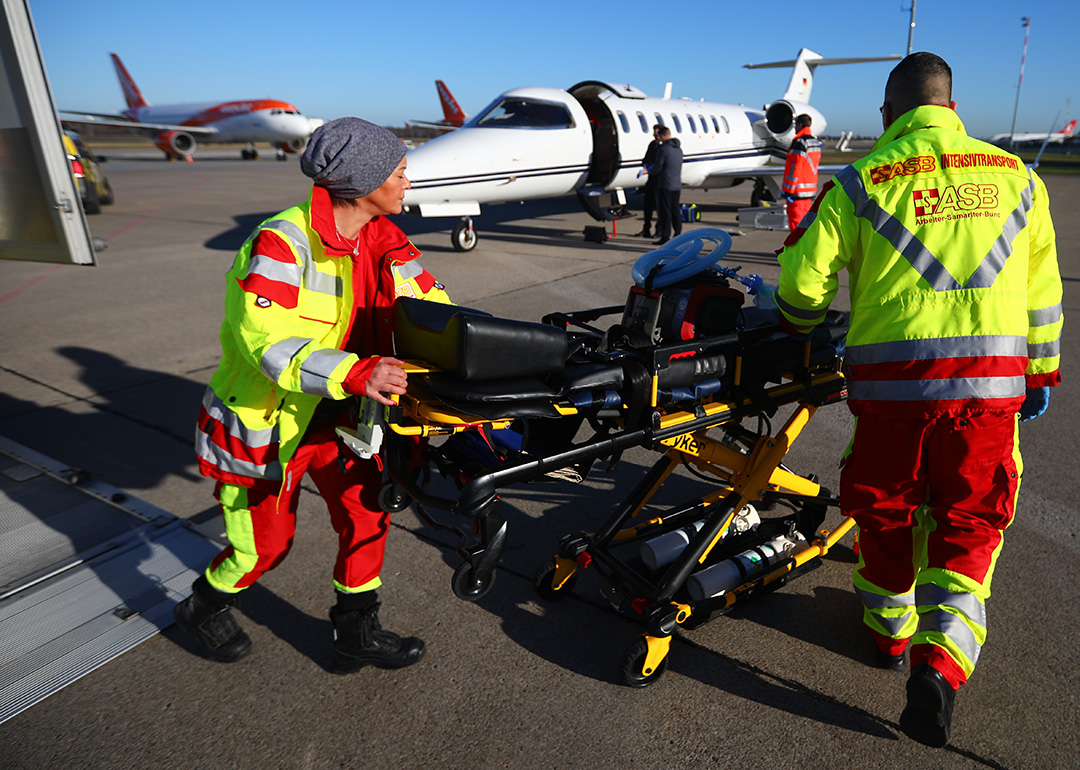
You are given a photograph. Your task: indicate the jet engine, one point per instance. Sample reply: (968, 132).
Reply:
(780, 118)
(296, 145)
(175, 143)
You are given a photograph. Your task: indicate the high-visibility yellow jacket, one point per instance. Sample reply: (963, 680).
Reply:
(296, 297)
(801, 165)
(953, 276)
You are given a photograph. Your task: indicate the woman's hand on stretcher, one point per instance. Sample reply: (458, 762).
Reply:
(388, 376)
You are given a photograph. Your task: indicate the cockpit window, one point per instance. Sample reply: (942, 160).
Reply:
(526, 113)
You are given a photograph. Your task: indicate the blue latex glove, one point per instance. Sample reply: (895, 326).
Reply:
(1035, 403)
(790, 198)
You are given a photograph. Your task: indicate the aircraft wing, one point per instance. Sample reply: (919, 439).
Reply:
(430, 124)
(91, 119)
(752, 172)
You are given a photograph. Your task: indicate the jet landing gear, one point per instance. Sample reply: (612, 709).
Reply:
(463, 237)
(249, 153)
(761, 193)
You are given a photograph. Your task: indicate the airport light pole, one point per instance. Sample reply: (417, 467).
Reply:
(1026, 20)
(911, 26)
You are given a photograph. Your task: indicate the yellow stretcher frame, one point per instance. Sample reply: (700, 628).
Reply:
(681, 434)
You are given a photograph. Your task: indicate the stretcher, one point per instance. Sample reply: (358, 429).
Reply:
(681, 369)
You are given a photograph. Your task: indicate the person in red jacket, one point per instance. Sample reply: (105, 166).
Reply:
(801, 171)
(307, 325)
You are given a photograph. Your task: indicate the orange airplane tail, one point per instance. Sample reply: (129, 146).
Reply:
(132, 95)
(451, 111)
(1069, 128)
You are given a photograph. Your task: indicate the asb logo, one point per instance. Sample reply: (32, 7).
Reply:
(954, 199)
(925, 201)
(918, 164)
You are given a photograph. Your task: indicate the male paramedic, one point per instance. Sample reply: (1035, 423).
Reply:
(955, 334)
(801, 171)
(307, 325)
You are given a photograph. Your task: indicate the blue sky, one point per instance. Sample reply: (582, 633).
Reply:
(379, 60)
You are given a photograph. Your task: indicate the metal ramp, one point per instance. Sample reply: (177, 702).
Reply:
(86, 573)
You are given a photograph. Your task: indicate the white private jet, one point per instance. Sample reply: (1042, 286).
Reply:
(546, 142)
(1054, 137)
(175, 126)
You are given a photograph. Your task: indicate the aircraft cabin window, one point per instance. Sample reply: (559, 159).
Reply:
(526, 113)
(644, 123)
(727, 128)
(715, 123)
(659, 119)
(693, 125)
(625, 123)
(678, 125)
(704, 125)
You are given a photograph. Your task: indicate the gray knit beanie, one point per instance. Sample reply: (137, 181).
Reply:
(351, 157)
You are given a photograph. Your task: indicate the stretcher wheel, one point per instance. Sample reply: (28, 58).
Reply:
(465, 585)
(392, 499)
(542, 583)
(634, 660)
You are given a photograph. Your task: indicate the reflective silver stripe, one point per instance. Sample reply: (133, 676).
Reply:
(893, 625)
(893, 230)
(992, 264)
(314, 280)
(316, 369)
(1045, 349)
(294, 235)
(275, 270)
(1045, 316)
(954, 627)
(936, 390)
(814, 316)
(322, 282)
(408, 270)
(252, 437)
(277, 356)
(938, 347)
(224, 461)
(220, 457)
(873, 601)
(929, 594)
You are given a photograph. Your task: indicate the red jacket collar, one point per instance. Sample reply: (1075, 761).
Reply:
(380, 234)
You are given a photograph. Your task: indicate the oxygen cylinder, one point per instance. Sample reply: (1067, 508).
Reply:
(732, 573)
(664, 549)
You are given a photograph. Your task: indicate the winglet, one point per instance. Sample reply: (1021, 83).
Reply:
(132, 95)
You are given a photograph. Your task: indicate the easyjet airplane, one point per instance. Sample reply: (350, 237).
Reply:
(176, 126)
(590, 140)
(1055, 137)
(453, 115)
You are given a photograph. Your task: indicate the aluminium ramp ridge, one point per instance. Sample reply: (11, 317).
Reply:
(63, 622)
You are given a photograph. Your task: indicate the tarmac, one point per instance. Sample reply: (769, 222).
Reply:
(104, 367)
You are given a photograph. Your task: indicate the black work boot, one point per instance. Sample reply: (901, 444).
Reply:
(928, 714)
(206, 614)
(890, 662)
(359, 640)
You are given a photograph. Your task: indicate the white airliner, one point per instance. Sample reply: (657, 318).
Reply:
(589, 140)
(1054, 137)
(175, 126)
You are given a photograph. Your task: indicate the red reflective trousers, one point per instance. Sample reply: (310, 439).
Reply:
(966, 472)
(261, 521)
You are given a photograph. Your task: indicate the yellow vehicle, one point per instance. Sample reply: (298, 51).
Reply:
(94, 186)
